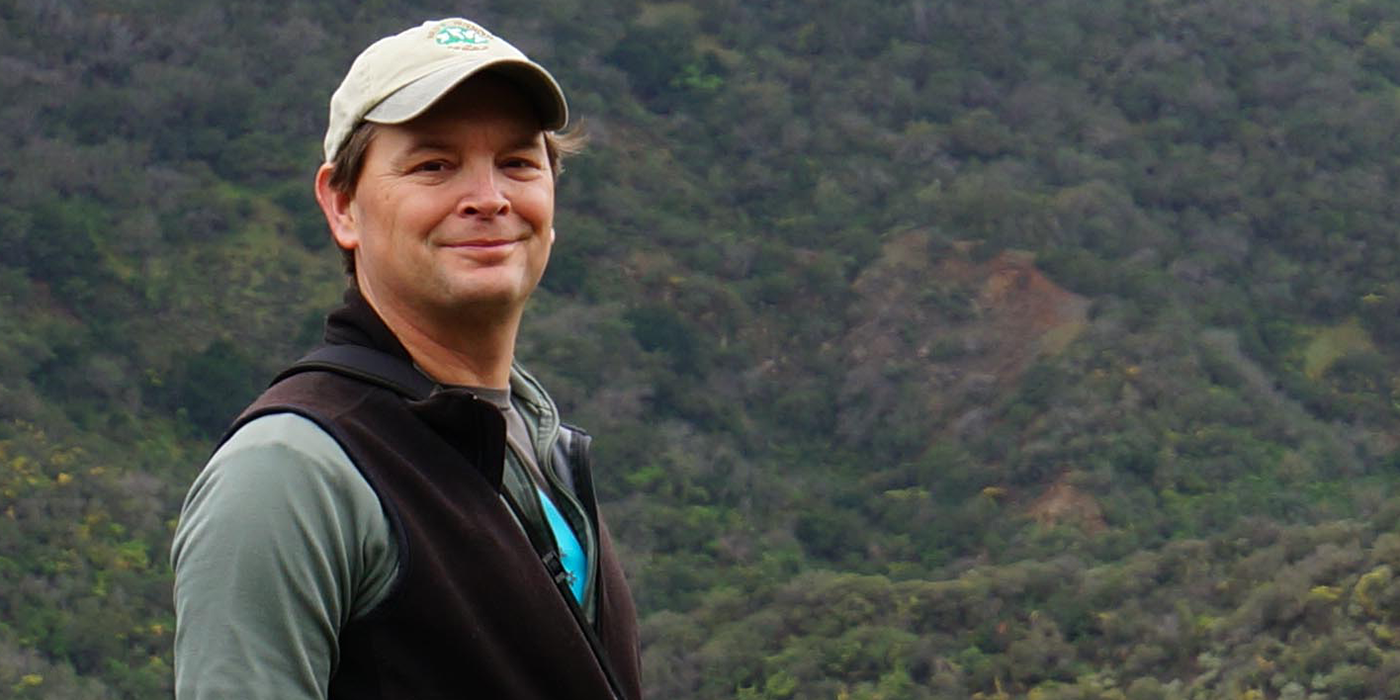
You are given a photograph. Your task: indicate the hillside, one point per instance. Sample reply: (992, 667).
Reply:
(934, 349)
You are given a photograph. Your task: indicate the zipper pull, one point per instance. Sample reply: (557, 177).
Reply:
(555, 567)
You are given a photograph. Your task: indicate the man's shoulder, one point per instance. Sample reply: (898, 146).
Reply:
(319, 398)
(282, 448)
(278, 463)
(278, 430)
(318, 391)
(278, 534)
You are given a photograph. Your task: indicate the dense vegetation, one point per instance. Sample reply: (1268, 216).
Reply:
(935, 349)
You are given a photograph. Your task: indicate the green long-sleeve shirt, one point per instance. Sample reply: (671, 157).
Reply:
(281, 543)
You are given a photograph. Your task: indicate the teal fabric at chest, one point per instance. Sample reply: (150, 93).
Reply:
(572, 554)
(570, 551)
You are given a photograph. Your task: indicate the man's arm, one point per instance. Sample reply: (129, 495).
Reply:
(281, 542)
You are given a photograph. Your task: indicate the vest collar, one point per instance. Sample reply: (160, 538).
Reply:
(357, 323)
(454, 413)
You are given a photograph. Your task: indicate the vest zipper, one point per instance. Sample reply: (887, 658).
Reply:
(583, 478)
(549, 559)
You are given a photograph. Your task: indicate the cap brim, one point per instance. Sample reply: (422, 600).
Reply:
(415, 98)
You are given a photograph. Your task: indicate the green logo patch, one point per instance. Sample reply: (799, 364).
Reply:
(462, 36)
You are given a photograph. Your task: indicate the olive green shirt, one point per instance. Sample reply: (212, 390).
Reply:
(281, 543)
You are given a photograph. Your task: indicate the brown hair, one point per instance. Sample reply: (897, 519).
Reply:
(349, 162)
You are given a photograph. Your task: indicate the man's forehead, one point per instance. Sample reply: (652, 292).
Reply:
(452, 131)
(447, 138)
(449, 127)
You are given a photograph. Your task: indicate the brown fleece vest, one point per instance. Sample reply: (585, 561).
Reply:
(473, 612)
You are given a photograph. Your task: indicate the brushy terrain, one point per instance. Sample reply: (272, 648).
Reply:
(935, 349)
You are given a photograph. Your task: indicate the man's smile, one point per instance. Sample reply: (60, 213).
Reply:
(482, 243)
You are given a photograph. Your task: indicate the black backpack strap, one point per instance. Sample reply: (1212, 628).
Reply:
(365, 364)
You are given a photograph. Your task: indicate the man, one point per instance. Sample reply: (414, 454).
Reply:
(362, 537)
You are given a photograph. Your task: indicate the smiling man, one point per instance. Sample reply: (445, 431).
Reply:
(403, 514)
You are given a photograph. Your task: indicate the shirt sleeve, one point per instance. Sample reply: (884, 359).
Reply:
(281, 542)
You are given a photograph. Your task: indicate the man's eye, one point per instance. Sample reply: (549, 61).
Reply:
(519, 163)
(432, 166)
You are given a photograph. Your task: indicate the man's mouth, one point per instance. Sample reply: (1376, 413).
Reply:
(482, 243)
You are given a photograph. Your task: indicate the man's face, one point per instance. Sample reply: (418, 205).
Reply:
(453, 212)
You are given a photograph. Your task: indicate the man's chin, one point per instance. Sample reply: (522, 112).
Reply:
(478, 297)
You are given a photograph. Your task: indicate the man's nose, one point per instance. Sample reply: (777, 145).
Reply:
(481, 194)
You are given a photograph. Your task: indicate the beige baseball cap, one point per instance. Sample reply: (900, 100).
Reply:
(399, 77)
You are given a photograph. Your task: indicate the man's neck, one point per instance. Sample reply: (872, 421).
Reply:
(461, 349)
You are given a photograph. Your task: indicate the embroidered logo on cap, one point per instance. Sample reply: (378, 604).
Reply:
(461, 34)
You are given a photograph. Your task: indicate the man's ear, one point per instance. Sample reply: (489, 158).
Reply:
(336, 206)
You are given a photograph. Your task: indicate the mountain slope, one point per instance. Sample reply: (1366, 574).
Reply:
(1033, 349)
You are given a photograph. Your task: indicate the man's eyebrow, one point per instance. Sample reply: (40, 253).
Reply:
(531, 141)
(426, 144)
